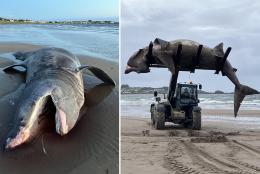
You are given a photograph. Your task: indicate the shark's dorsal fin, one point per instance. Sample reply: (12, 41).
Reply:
(161, 42)
(218, 50)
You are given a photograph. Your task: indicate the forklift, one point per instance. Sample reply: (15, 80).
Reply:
(181, 107)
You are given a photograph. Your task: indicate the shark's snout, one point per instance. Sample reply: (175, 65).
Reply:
(22, 136)
(26, 129)
(128, 69)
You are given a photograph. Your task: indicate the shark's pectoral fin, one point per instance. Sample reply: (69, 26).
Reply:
(20, 68)
(95, 90)
(22, 55)
(98, 73)
(19, 55)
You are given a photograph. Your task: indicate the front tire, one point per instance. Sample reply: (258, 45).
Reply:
(196, 119)
(152, 114)
(159, 120)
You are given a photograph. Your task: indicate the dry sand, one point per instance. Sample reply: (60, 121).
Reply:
(220, 147)
(91, 146)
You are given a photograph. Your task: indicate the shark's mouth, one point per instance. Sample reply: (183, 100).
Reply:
(45, 108)
(129, 69)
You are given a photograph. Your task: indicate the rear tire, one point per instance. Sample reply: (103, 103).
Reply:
(196, 119)
(159, 120)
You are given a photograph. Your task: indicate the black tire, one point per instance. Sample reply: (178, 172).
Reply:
(187, 125)
(189, 122)
(159, 120)
(152, 115)
(196, 120)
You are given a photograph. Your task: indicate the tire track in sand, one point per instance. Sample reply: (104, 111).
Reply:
(235, 148)
(247, 148)
(204, 163)
(171, 163)
(211, 164)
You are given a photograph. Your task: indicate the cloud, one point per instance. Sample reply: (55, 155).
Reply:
(236, 23)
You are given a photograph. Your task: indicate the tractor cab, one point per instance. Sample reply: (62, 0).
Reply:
(181, 106)
(186, 95)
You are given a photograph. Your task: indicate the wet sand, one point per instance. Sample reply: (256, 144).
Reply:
(91, 146)
(220, 147)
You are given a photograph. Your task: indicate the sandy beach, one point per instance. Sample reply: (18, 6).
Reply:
(91, 146)
(220, 147)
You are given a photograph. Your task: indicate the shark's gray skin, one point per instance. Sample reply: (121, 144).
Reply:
(52, 74)
(161, 53)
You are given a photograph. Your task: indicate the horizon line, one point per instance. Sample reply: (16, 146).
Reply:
(110, 18)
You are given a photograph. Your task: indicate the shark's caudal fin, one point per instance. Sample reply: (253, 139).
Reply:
(240, 93)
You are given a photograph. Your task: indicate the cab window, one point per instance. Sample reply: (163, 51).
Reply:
(188, 94)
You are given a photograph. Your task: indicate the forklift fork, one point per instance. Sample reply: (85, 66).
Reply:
(195, 60)
(221, 62)
(173, 82)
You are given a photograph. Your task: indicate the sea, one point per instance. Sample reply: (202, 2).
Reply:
(96, 40)
(138, 106)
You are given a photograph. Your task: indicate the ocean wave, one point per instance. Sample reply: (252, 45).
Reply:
(91, 40)
(237, 120)
(140, 103)
(209, 101)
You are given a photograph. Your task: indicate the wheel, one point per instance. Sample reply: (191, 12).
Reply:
(189, 122)
(159, 120)
(152, 115)
(196, 119)
(187, 125)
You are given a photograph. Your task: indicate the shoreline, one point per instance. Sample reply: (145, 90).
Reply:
(7, 47)
(215, 112)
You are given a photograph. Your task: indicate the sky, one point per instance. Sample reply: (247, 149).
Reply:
(235, 23)
(60, 9)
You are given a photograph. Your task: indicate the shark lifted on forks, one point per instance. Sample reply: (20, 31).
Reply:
(187, 55)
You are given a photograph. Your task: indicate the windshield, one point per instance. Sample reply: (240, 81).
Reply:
(188, 94)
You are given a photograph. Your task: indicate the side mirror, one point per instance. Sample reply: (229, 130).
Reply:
(200, 86)
(158, 99)
(155, 93)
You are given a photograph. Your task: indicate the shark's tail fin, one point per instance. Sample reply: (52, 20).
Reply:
(240, 92)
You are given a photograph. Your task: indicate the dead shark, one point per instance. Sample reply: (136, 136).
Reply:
(187, 55)
(51, 75)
